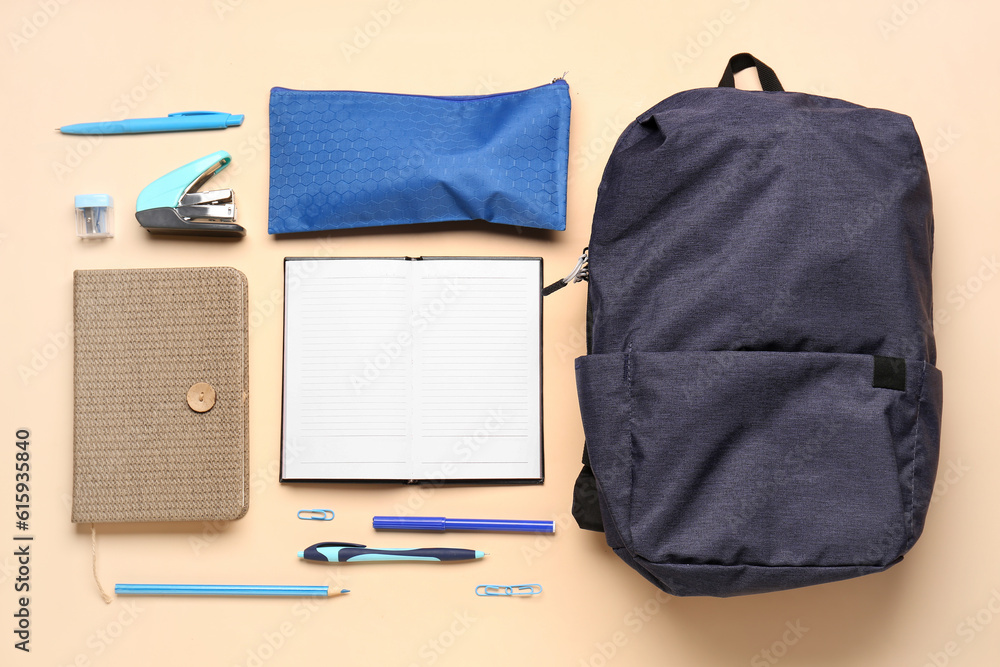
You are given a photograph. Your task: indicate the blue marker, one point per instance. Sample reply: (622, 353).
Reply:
(346, 552)
(440, 523)
(175, 122)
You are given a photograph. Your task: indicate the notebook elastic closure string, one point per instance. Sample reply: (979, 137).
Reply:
(93, 544)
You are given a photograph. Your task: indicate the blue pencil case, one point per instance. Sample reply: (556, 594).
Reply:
(346, 159)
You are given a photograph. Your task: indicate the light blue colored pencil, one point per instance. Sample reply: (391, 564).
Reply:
(210, 589)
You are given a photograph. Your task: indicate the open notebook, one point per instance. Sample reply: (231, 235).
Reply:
(400, 369)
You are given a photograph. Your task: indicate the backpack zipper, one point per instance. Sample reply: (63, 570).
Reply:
(580, 272)
(447, 98)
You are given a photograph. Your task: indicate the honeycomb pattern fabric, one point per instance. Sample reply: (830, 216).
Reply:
(344, 159)
(142, 338)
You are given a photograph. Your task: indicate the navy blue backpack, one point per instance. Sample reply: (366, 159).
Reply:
(759, 398)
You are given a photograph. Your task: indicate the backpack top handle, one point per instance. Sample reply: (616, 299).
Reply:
(741, 61)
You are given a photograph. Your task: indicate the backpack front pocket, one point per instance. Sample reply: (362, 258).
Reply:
(768, 459)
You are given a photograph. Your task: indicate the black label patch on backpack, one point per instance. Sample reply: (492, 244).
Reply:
(890, 373)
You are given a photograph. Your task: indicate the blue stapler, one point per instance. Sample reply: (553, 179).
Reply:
(171, 205)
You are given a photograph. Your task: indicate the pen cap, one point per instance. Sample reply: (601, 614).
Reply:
(408, 523)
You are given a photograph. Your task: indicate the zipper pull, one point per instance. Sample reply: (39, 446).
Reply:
(561, 78)
(580, 272)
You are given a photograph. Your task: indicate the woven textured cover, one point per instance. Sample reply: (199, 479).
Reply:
(143, 337)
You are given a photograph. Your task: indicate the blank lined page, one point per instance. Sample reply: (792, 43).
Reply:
(477, 369)
(412, 369)
(346, 378)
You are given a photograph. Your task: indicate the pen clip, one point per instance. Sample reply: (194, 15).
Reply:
(197, 113)
(337, 544)
(491, 590)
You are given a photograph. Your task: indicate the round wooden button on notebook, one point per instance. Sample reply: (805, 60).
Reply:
(201, 397)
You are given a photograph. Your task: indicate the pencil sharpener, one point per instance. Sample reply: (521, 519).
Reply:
(95, 216)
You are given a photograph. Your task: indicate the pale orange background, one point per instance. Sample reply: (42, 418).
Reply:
(78, 61)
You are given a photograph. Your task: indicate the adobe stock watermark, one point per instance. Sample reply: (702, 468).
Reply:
(486, 85)
(561, 12)
(426, 314)
(412, 161)
(211, 531)
(468, 446)
(432, 650)
(899, 16)
(633, 622)
(541, 544)
(225, 7)
(272, 641)
(44, 354)
(575, 343)
(418, 495)
(261, 479)
(599, 146)
(966, 632)
(246, 153)
(944, 139)
(465, 447)
(820, 89)
(263, 309)
(712, 371)
(948, 477)
(7, 570)
(121, 108)
(796, 469)
(712, 30)
(959, 296)
(104, 637)
(264, 477)
(365, 33)
(779, 649)
(31, 24)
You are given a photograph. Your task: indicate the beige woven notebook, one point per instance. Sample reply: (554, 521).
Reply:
(161, 403)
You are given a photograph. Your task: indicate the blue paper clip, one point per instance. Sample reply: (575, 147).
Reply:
(316, 515)
(489, 590)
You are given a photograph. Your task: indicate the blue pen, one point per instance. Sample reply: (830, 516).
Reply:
(346, 552)
(175, 122)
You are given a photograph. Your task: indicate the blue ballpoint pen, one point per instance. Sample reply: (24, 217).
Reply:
(346, 552)
(175, 122)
